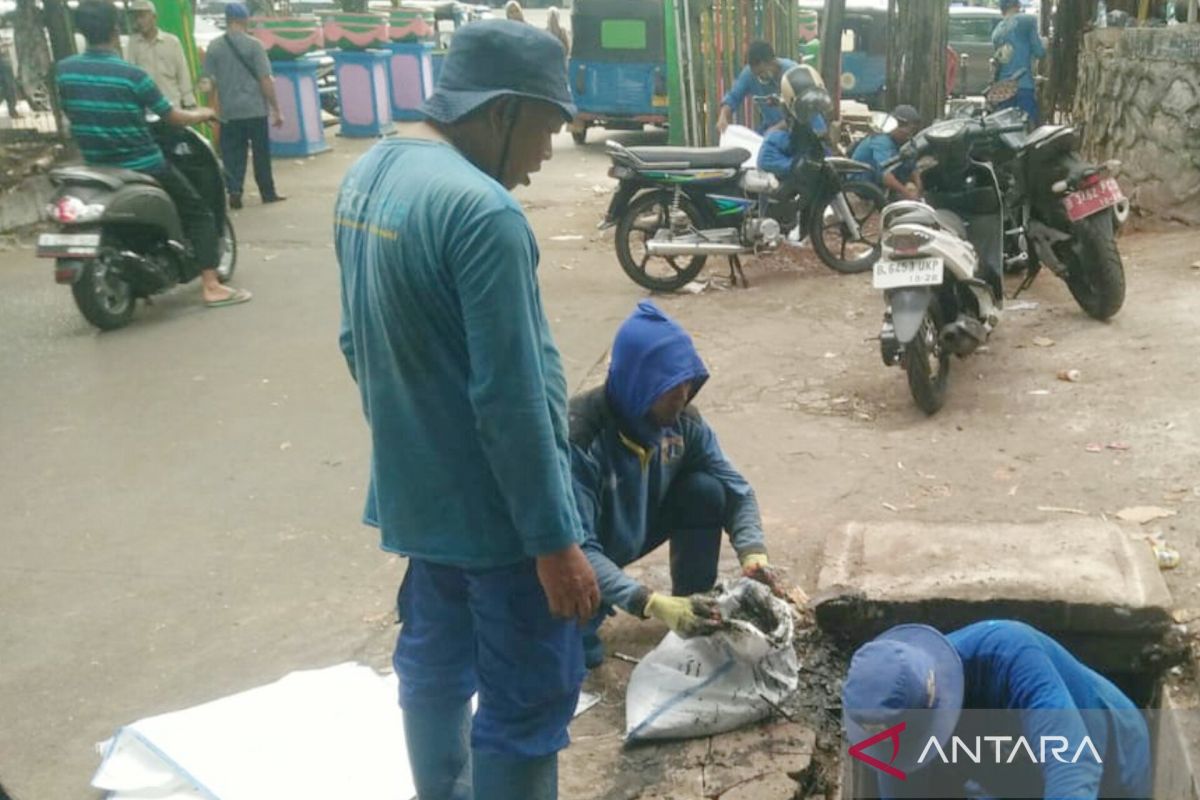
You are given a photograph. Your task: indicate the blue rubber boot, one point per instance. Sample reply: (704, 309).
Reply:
(498, 777)
(439, 751)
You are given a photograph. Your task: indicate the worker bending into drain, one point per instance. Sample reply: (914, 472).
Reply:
(647, 470)
(996, 709)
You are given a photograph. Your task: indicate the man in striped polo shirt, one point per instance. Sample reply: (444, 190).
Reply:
(106, 100)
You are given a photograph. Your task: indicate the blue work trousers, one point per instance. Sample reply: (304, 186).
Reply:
(1026, 100)
(487, 631)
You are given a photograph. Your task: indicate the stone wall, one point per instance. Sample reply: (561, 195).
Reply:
(1139, 101)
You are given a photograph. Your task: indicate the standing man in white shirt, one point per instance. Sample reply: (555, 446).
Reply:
(161, 55)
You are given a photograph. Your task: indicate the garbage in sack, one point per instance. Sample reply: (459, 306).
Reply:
(712, 684)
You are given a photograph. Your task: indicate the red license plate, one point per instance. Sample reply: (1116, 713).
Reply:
(1084, 203)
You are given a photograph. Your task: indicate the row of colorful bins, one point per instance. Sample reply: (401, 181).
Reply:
(375, 87)
(289, 38)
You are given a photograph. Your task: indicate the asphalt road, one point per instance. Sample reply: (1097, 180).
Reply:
(180, 499)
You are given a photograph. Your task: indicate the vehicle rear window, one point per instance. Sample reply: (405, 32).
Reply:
(972, 30)
(623, 34)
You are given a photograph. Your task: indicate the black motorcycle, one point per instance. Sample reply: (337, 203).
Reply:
(120, 237)
(1065, 213)
(676, 203)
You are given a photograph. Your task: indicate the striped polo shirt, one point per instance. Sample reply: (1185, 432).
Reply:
(106, 99)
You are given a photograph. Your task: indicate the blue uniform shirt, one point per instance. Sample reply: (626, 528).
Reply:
(463, 388)
(748, 85)
(876, 150)
(1017, 37)
(623, 465)
(1010, 665)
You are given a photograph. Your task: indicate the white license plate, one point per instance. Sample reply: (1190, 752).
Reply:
(69, 240)
(58, 245)
(910, 272)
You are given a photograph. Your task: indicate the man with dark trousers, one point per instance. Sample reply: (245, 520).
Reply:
(106, 100)
(236, 64)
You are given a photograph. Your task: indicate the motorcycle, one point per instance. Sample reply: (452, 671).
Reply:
(941, 266)
(120, 237)
(693, 203)
(1065, 213)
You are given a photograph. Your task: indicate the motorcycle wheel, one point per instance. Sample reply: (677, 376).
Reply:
(928, 365)
(833, 243)
(227, 247)
(104, 299)
(1095, 274)
(644, 218)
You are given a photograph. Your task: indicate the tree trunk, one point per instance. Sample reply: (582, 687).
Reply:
(33, 54)
(58, 26)
(1071, 21)
(831, 49)
(920, 34)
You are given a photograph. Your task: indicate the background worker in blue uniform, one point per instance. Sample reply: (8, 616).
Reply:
(903, 182)
(759, 78)
(793, 152)
(1017, 44)
(444, 331)
(648, 469)
(994, 665)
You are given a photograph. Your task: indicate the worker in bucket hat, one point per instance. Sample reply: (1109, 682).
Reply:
(463, 389)
(997, 678)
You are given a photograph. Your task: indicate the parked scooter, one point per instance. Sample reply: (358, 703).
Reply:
(942, 263)
(120, 236)
(692, 203)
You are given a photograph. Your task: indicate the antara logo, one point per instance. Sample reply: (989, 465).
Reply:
(1004, 750)
(892, 734)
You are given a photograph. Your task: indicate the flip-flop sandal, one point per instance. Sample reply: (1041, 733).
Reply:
(239, 296)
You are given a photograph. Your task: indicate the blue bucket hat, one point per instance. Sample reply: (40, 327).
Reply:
(906, 668)
(497, 58)
(236, 11)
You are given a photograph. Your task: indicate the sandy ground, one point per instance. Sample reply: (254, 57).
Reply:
(180, 498)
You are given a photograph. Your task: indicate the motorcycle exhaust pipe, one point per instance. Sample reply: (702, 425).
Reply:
(674, 248)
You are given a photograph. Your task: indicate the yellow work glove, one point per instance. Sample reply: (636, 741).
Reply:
(697, 615)
(756, 566)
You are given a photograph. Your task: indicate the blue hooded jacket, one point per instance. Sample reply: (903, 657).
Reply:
(623, 463)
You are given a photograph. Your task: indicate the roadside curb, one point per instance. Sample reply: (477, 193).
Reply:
(24, 204)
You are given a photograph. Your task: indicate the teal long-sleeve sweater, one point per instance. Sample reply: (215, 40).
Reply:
(461, 383)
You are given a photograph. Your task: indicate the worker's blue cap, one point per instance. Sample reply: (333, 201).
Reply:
(499, 58)
(907, 668)
(236, 11)
(1007, 4)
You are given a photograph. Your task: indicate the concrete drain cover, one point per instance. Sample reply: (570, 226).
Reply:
(1087, 582)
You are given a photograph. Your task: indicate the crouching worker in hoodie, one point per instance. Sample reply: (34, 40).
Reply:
(647, 470)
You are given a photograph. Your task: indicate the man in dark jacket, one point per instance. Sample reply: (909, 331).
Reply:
(648, 469)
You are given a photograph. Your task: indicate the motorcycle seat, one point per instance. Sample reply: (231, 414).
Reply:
(951, 222)
(1014, 141)
(109, 177)
(693, 157)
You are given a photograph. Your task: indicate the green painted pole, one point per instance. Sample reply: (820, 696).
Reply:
(675, 110)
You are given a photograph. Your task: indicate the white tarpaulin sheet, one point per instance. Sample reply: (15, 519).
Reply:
(334, 732)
